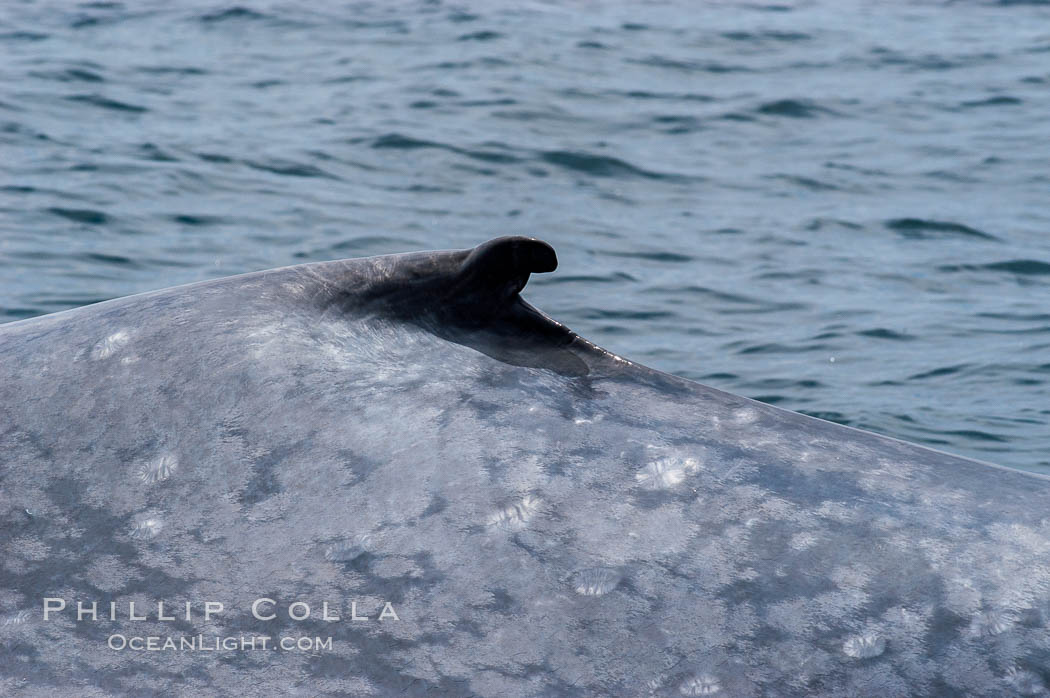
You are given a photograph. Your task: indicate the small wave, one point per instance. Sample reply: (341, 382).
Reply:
(1024, 267)
(1016, 317)
(399, 141)
(805, 182)
(234, 13)
(634, 315)
(170, 70)
(480, 36)
(114, 259)
(821, 223)
(196, 220)
(787, 384)
(688, 66)
(613, 278)
(718, 296)
(150, 151)
(652, 256)
(107, 103)
(770, 35)
(214, 157)
(488, 156)
(598, 165)
(501, 102)
(770, 8)
(793, 108)
(69, 75)
(81, 215)
(12, 314)
(23, 35)
(290, 169)
(461, 17)
(938, 372)
(484, 62)
(974, 434)
(919, 228)
(929, 61)
(356, 246)
(719, 376)
(1001, 101)
(884, 333)
(828, 416)
(778, 348)
(669, 96)
(678, 123)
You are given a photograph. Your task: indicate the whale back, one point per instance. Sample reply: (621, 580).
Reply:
(487, 503)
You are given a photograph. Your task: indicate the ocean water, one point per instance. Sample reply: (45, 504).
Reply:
(838, 207)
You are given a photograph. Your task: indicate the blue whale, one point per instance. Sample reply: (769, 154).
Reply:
(393, 476)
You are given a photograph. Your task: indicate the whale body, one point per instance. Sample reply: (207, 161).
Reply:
(428, 487)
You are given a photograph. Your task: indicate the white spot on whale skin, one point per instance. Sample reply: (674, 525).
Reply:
(803, 541)
(864, 646)
(666, 472)
(516, 516)
(110, 345)
(16, 618)
(745, 415)
(158, 469)
(596, 581)
(655, 684)
(1025, 682)
(349, 550)
(701, 685)
(147, 528)
(992, 623)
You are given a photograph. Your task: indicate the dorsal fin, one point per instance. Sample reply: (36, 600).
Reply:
(497, 270)
(471, 297)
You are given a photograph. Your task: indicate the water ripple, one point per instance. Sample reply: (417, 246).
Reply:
(919, 228)
(757, 195)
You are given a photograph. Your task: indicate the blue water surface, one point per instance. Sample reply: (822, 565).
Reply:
(834, 206)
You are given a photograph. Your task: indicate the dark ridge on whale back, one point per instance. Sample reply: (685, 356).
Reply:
(472, 297)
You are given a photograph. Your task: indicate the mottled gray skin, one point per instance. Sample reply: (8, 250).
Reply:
(546, 519)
